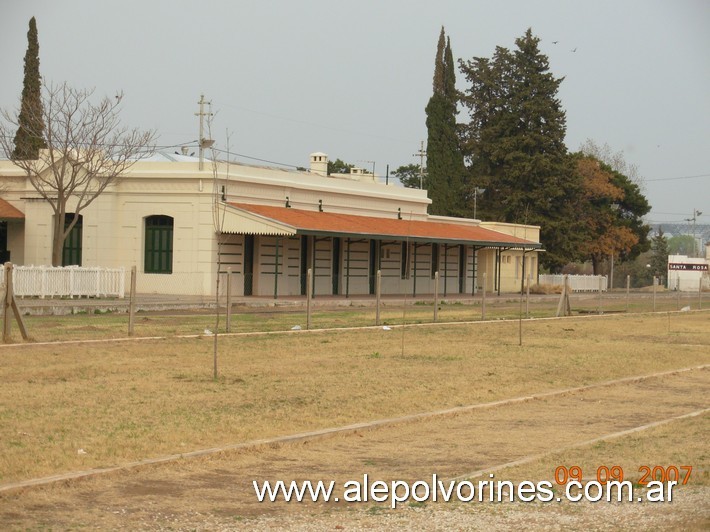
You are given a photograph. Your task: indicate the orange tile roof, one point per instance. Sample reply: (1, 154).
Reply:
(8, 212)
(336, 224)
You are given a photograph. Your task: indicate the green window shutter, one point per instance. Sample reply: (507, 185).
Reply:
(71, 250)
(158, 244)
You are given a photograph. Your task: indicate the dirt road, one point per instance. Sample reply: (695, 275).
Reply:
(216, 492)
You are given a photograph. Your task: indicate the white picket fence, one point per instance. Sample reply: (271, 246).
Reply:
(69, 281)
(578, 283)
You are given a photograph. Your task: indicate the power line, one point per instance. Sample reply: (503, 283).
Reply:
(257, 159)
(314, 124)
(680, 177)
(676, 213)
(189, 144)
(195, 143)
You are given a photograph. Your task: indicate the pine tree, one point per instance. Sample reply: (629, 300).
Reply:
(515, 142)
(29, 138)
(445, 168)
(659, 256)
(409, 175)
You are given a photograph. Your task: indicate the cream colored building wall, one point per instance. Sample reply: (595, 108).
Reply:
(359, 267)
(527, 232)
(449, 269)
(391, 268)
(425, 282)
(511, 269)
(323, 266)
(114, 230)
(292, 263)
(288, 283)
(271, 186)
(38, 233)
(511, 265)
(511, 260)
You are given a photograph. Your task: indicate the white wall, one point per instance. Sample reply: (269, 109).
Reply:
(687, 280)
(113, 231)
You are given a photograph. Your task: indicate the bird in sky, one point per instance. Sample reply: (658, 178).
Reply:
(555, 42)
(575, 49)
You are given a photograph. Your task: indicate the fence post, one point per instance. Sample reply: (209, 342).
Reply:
(628, 286)
(601, 287)
(309, 295)
(6, 302)
(11, 303)
(560, 303)
(276, 273)
(483, 298)
(655, 283)
(520, 308)
(700, 293)
(378, 293)
(229, 299)
(527, 298)
(436, 296)
(132, 302)
(677, 289)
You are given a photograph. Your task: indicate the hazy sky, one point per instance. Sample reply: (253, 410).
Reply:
(352, 78)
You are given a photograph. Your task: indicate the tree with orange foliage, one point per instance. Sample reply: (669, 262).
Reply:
(609, 211)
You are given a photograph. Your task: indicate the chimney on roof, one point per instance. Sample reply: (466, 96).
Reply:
(319, 163)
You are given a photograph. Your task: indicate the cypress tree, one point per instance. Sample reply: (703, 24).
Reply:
(445, 166)
(659, 258)
(29, 138)
(515, 141)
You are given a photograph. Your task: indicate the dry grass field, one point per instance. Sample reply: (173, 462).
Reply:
(98, 322)
(76, 406)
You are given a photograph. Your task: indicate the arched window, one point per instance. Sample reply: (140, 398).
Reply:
(158, 244)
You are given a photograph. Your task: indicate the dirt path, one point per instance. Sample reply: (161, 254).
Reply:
(217, 492)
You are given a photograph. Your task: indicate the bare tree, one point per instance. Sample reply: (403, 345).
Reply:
(615, 160)
(87, 151)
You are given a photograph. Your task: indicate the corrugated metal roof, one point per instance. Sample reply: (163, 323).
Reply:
(8, 212)
(350, 225)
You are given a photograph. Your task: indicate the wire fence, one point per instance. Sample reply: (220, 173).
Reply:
(166, 314)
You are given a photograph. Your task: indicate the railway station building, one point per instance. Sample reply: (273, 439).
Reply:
(179, 221)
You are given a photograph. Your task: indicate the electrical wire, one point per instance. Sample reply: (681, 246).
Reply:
(675, 178)
(257, 158)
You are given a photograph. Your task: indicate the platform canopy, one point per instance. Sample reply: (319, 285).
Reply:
(8, 212)
(241, 218)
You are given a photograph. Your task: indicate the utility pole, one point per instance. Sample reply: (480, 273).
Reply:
(204, 143)
(373, 167)
(696, 213)
(476, 192)
(421, 154)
